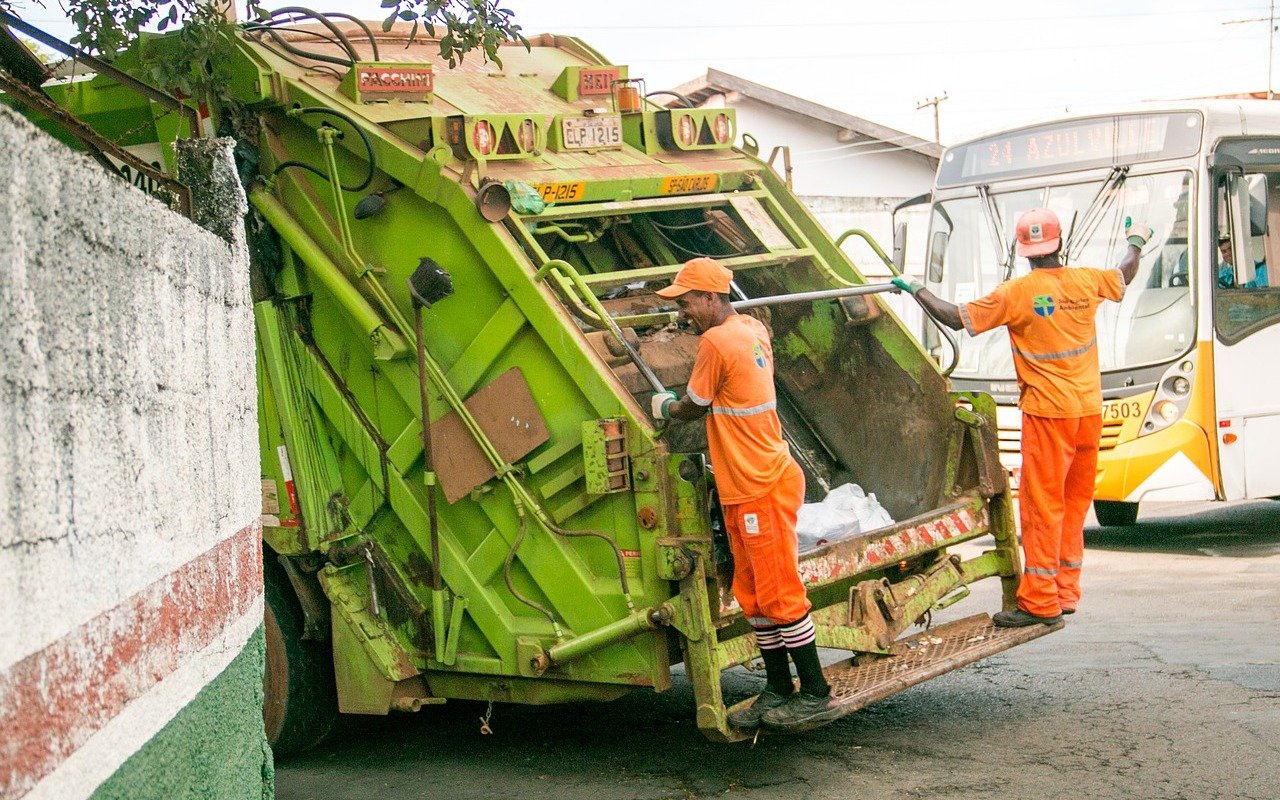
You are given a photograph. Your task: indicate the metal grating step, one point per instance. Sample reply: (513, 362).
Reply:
(859, 681)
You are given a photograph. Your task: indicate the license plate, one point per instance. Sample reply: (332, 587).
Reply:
(684, 184)
(561, 192)
(588, 133)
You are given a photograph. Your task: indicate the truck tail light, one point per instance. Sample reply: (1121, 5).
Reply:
(527, 135)
(482, 137)
(688, 131)
(721, 128)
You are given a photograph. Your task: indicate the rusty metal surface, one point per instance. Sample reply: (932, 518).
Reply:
(908, 539)
(860, 681)
(506, 411)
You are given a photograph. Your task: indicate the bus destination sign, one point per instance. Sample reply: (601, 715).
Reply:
(1078, 144)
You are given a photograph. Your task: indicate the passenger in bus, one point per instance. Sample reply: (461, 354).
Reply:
(1227, 268)
(761, 489)
(1050, 315)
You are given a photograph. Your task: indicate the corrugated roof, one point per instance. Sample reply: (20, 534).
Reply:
(716, 82)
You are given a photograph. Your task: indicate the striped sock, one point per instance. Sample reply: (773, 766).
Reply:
(800, 639)
(798, 633)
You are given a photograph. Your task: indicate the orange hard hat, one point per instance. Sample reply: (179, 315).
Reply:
(1039, 233)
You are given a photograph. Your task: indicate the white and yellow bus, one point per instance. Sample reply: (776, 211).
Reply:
(1191, 356)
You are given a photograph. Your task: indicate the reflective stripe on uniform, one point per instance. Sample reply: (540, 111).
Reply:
(1037, 571)
(1071, 564)
(744, 412)
(702, 401)
(1079, 351)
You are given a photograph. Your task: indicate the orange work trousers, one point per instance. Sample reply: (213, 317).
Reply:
(1059, 468)
(762, 536)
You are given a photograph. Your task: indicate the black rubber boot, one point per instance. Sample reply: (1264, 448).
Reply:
(1018, 618)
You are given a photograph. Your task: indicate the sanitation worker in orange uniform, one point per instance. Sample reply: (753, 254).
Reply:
(1050, 316)
(761, 489)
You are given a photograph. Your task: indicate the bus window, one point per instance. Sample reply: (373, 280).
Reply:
(1247, 238)
(1153, 322)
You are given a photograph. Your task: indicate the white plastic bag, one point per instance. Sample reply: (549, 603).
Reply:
(820, 523)
(846, 511)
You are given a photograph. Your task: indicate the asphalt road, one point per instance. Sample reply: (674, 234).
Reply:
(1166, 684)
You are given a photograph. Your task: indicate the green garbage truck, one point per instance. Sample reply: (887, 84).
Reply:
(464, 496)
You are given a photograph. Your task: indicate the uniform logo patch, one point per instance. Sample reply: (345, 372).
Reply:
(758, 353)
(1043, 304)
(751, 522)
(1035, 232)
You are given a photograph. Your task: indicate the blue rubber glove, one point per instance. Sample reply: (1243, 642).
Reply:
(911, 287)
(660, 404)
(1137, 234)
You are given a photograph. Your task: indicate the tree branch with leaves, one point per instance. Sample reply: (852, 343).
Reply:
(108, 26)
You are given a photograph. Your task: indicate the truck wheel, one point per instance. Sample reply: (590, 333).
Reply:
(1112, 513)
(300, 703)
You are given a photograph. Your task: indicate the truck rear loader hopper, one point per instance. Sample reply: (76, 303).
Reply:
(477, 247)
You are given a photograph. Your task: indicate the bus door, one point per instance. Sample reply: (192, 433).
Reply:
(1245, 286)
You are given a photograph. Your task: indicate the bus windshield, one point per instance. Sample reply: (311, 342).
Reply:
(1153, 323)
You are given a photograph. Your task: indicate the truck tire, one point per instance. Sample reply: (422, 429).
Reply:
(300, 702)
(1112, 513)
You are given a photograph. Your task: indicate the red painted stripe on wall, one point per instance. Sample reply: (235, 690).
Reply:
(52, 701)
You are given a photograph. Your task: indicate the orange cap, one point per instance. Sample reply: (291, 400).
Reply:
(1039, 233)
(699, 274)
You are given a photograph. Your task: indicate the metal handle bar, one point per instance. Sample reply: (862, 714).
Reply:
(831, 294)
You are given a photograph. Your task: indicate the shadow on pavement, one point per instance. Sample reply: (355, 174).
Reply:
(1233, 530)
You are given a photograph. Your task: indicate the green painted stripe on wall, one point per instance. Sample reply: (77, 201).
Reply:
(214, 749)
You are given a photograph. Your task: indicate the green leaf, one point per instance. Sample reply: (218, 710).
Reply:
(390, 3)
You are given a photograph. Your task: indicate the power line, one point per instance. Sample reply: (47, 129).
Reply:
(915, 23)
(1127, 45)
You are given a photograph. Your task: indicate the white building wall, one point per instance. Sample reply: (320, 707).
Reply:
(823, 166)
(847, 185)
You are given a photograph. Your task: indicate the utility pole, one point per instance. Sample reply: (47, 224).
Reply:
(937, 130)
(1270, 19)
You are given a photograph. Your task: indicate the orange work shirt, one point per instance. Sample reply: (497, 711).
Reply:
(1050, 315)
(733, 374)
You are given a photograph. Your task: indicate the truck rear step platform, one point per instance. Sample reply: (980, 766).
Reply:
(862, 680)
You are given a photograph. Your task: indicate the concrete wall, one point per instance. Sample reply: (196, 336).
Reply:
(131, 646)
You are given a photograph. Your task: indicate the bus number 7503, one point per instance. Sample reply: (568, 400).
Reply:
(1121, 409)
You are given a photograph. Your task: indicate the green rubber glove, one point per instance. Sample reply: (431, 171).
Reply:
(1137, 234)
(660, 404)
(910, 287)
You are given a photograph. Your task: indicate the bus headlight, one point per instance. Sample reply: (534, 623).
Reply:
(1165, 410)
(1172, 396)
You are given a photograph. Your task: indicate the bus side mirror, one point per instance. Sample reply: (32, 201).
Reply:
(900, 245)
(937, 252)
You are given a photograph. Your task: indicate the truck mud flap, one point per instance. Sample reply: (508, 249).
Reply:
(860, 681)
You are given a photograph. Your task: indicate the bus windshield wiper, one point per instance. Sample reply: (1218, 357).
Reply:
(1094, 214)
(1004, 250)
